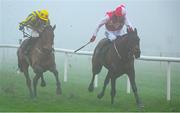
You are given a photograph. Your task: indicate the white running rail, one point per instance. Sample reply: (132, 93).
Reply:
(145, 58)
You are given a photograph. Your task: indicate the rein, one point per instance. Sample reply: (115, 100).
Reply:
(26, 34)
(118, 54)
(116, 50)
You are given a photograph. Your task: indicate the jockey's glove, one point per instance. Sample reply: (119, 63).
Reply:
(21, 27)
(93, 39)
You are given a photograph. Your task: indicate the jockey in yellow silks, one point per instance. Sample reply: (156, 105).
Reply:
(35, 23)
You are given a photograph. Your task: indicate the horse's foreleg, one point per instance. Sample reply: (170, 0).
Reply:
(96, 68)
(58, 84)
(28, 82)
(131, 76)
(39, 73)
(35, 81)
(113, 89)
(106, 81)
(91, 85)
(43, 83)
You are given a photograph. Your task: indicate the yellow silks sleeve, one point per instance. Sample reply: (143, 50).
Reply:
(29, 20)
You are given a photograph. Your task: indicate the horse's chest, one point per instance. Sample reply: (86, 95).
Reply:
(124, 66)
(46, 61)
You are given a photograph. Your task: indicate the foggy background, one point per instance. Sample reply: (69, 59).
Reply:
(157, 22)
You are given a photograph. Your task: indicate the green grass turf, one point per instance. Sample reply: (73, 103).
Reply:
(150, 78)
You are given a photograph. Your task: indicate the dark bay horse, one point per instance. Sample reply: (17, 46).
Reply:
(41, 58)
(119, 60)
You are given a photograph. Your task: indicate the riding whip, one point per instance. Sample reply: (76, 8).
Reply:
(82, 47)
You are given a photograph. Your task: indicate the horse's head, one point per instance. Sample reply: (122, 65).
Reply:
(133, 43)
(47, 38)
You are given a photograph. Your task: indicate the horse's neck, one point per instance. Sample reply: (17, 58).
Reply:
(41, 42)
(122, 46)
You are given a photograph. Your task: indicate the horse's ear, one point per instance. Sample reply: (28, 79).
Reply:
(54, 27)
(135, 30)
(127, 30)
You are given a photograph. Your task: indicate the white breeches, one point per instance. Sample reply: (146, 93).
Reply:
(112, 35)
(32, 32)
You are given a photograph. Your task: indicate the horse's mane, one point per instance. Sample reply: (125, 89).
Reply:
(49, 27)
(121, 37)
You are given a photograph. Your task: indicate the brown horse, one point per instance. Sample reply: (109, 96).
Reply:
(41, 58)
(119, 60)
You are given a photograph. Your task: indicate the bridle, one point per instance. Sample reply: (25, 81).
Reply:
(130, 50)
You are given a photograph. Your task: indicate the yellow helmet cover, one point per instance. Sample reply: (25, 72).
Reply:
(43, 14)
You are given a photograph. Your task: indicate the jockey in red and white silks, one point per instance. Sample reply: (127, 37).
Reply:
(114, 22)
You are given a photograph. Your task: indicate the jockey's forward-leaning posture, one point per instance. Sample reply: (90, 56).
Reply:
(35, 23)
(114, 22)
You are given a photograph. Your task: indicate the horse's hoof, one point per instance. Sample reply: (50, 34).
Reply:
(34, 95)
(140, 105)
(31, 96)
(18, 71)
(43, 84)
(112, 102)
(58, 92)
(91, 88)
(99, 96)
